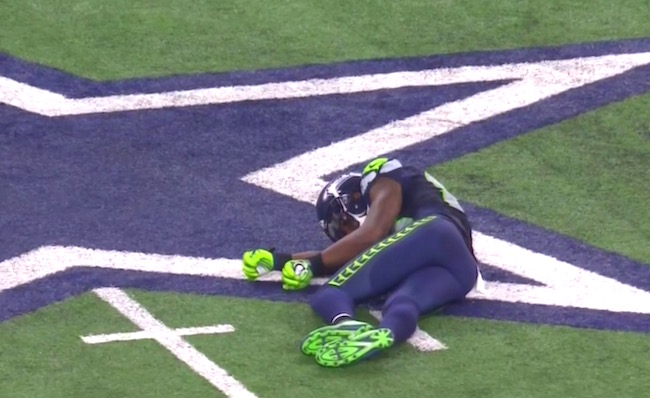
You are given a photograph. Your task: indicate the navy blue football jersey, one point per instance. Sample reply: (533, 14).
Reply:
(422, 194)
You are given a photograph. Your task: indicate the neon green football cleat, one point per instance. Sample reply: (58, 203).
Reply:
(357, 347)
(315, 340)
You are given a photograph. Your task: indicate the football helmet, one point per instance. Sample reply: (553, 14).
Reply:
(341, 207)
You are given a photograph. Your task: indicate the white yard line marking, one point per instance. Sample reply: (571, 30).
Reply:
(143, 334)
(174, 343)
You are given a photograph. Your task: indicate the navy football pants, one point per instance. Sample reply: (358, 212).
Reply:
(426, 264)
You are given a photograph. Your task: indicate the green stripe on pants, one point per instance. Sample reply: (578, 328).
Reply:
(353, 267)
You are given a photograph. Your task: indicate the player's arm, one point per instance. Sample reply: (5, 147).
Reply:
(384, 192)
(386, 198)
(304, 255)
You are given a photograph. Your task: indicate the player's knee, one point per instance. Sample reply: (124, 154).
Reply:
(467, 278)
(401, 301)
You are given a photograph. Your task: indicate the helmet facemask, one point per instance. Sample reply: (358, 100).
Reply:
(347, 213)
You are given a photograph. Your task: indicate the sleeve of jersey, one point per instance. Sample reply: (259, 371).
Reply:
(391, 168)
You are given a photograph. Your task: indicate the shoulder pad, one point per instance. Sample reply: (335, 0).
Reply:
(375, 168)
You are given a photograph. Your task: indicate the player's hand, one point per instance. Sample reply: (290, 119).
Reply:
(259, 262)
(296, 274)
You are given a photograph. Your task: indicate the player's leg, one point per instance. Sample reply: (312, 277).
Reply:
(373, 273)
(427, 289)
(450, 278)
(377, 270)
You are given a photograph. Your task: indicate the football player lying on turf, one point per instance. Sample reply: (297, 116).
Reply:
(425, 263)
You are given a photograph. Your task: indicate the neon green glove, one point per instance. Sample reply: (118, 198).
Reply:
(261, 261)
(296, 274)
